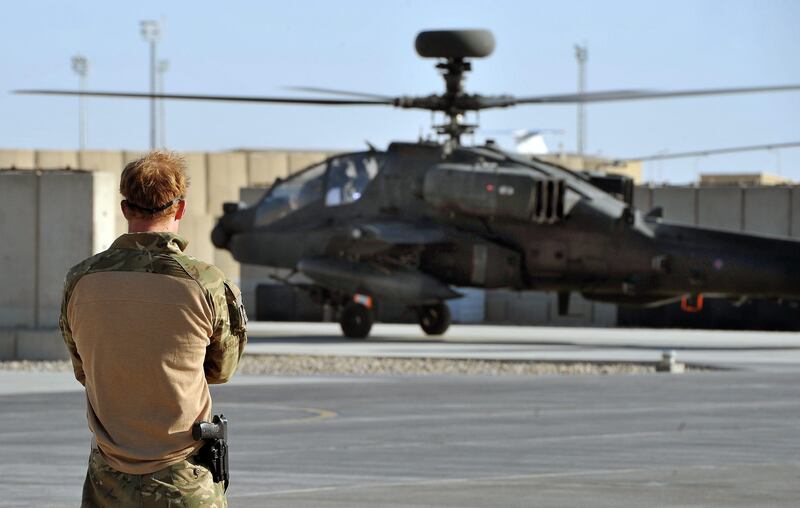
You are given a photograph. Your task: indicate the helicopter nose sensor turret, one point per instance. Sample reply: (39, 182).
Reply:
(220, 237)
(235, 219)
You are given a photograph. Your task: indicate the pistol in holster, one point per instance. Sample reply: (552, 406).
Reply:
(214, 453)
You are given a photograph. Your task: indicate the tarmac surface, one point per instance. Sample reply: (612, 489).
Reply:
(720, 438)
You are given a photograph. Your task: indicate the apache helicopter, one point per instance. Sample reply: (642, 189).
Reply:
(409, 223)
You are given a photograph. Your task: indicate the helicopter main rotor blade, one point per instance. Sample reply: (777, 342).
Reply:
(716, 151)
(333, 91)
(628, 95)
(224, 98)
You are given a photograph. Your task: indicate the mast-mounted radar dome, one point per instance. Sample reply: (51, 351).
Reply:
(454, 43)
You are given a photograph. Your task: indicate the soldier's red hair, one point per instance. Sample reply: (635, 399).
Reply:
(153, 181)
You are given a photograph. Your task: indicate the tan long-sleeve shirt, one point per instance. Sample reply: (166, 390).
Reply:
(148, 328)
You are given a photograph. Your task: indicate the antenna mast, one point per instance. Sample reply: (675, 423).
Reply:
(581, 55)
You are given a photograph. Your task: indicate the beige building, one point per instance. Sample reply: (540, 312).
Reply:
(629, 168)
(742, 180)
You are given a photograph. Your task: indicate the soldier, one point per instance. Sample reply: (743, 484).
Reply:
(148, 329)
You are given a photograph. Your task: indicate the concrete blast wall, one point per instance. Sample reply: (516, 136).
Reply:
(214, 179)
(765, 210)
(49, 221)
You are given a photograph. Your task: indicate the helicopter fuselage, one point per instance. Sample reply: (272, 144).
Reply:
(432, 216)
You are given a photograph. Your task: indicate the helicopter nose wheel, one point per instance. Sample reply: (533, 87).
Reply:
(356, 320)
(434, 319)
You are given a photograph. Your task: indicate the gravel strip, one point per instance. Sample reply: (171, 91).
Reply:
(303, 365)
(37, 366)
(359, 365)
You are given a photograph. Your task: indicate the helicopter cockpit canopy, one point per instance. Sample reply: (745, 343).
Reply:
(339, 181)
(292, 194)
(348, 178)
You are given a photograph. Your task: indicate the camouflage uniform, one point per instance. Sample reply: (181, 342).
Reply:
(185, 484)
(182, 482)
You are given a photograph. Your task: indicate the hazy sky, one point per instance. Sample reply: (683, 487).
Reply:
(256, 48)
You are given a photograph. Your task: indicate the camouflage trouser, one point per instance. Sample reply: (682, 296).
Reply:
(184, 484)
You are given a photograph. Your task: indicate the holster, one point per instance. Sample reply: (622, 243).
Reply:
(214, 453)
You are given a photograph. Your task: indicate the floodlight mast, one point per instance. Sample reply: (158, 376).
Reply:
(163, 67)
(151, 32)
(80, 65)
(581, 55)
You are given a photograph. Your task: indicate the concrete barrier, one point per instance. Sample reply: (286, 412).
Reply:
(19, 217)
(264, 167)
(8, 345)
(197, 195)
(250, 277)
(17, 159)
(768, 210)
(62, 243)
(471, 308)
(678, 203)
(130, 156)
(605, 314)
(57, 218)
(43, 344)
(513, 307)
(99, 160)
(643, 198)
(197, 230)
(228, 265)
(56, 159)
(527, 308)
(36, 344)
(76, 220)
(227, 173)
(112, 163)
(720, 207)
(301, 160)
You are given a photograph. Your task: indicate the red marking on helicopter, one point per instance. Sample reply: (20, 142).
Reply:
(364, 300)
(688, 306)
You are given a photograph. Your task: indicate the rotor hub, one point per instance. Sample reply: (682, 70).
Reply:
(454, 46)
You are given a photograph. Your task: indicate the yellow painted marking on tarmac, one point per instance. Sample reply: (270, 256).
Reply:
(317, 415)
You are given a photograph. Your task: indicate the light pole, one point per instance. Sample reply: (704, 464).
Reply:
(151, 31)
(581, 55)
(81, 67)
(163, 67)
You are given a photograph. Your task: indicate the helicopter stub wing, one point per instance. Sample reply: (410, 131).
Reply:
(403, 284)
(400, 233)
(365, 239)
(369, 238)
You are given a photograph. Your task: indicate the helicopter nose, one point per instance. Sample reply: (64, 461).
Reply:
(219, 237)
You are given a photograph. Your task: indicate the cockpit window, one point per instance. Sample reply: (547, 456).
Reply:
(348, 177)
(297, 192)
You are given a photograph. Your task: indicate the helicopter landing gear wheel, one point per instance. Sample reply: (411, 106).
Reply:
(356, 320)
(434, 319)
